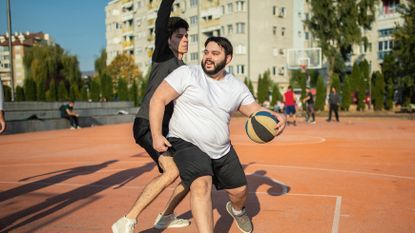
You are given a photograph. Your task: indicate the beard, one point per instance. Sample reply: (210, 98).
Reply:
(217, 67)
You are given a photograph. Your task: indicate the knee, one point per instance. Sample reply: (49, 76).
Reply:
(240, 192)
(201, 187)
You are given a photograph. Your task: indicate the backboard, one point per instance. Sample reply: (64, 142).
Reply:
(310, 58)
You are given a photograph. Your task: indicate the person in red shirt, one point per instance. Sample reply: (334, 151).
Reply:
(289, 102)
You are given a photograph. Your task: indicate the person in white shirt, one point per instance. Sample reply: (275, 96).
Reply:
(205, 96)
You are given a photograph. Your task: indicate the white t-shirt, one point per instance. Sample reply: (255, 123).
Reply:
(203, 110)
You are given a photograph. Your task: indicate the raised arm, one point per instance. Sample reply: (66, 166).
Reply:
(162, 34)
(163, 95)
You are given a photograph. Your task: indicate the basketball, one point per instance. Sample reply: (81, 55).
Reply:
(260, 127)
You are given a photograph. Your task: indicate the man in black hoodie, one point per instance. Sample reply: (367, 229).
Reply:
(171, 44)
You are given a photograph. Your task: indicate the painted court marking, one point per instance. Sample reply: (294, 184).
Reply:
(243, 140)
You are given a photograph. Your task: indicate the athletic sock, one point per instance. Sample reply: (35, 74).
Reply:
(237, 212)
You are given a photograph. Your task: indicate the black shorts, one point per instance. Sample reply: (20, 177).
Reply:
(226, 172)
(142, 136)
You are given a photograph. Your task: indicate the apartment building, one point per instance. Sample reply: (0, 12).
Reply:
(20, 41)
(380, 37)
(260, 31)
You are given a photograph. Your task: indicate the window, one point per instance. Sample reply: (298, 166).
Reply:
(193, 3)
(240, 6)
(194, 38)
(193, 19)
(240, 69)
(240, 49)
(306, 35)
(230, 69)
(274, 30)
(281, 13)
(194, 56)
(283, 31)
(274, 70)
(230, 29)
(230, 8)
(385, 32)
(307, 16)
(240, 28)
(222, 30)
(274, 10)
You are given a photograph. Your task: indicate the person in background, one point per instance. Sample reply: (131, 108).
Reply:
(334, 104)
(309, 100)
(289, 105)
(68, 112)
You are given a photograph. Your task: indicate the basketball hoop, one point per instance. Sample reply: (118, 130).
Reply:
(303, 68)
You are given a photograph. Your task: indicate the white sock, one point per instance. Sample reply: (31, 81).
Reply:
(236, 212)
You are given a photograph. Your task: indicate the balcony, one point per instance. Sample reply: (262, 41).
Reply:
(129, 30)
(128, 44)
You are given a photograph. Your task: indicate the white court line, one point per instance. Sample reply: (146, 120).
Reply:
(336, 170)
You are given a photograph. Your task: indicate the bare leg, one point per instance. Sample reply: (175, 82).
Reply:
(201, 203)
(155, 187)
(177, 196)
(238, 196)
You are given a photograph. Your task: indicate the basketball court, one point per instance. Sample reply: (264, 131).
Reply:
(354, 176)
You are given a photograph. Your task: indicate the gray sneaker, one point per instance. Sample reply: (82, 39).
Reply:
(124, 225)
(242, 221)
(170, 221)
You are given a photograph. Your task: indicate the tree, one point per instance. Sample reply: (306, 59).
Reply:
(95, 89)
(259, 92)
(248, 83)
(74, 93)
(19, 93)
(320, 94)
(403, 52)
(107, 89)
(7, 91)
(52, 92)
(346, 92)
(276, 94)
(378, 91)
(41, 90)
(123, 66)
(101, 63)
(337, 26)
(389, 71)
(122, 90)
(29, 89)
(62, 91)
(133, 93)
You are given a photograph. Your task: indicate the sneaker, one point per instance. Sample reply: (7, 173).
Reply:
(313, 122)
(72, 128)
(78, 127)
(124, 225)
(242, 221)
(170, 221)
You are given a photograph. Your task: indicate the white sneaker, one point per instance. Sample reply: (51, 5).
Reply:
(124, 225)
(72, 128)
(170, 221)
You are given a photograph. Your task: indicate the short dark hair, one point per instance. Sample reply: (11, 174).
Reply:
(175, 23)
(222, 42)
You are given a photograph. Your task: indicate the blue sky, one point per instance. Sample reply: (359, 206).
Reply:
(77, 25)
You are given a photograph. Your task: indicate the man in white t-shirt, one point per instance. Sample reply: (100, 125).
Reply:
(205, 96)
(2, 120)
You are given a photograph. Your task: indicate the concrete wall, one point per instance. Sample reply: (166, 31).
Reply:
(39, 116)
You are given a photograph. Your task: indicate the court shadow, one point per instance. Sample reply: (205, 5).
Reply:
(253, 206)
(84, 193)
(62, 175)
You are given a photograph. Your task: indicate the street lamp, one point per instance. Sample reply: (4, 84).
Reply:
(9, 26)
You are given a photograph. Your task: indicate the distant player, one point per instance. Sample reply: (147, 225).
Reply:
(289, 102)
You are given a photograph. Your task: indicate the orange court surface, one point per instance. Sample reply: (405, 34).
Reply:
(356, 176)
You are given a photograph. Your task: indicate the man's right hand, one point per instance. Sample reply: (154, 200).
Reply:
(161, 144)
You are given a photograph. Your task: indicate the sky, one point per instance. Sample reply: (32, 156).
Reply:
(78, 26)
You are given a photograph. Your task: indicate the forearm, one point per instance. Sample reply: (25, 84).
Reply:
(157, 108)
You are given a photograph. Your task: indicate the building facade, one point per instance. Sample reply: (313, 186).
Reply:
(20, 41)
(260, 31)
